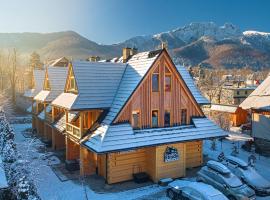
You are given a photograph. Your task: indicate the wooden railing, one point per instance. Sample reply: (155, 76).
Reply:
(73, 130)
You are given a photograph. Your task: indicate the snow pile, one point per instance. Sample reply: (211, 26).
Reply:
(16, 170)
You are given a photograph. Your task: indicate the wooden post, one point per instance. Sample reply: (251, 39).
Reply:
(81, 123)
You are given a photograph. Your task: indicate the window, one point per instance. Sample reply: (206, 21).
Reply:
(246, 92)
(168, 82)
(154, 118)
(72, 83)
(155, 82)
(136, 119)
(167, 118)
(184, 116)
(237, 92)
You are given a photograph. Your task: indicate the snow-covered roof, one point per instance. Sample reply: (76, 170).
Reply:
(38, 76)
(191, 86)
(138, 66)
(218, 167)
(3, 178)
(224, 108)
(122, 136)
(240, 162)
(57, 79)
(97, 84)
(260, 97)
(206, 189)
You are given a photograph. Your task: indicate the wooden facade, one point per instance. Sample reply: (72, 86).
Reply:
(170, 103)
(175, 100)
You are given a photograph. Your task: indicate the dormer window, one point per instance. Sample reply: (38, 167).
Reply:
(155, 81)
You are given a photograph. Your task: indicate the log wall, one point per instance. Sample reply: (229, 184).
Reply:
(194, 155)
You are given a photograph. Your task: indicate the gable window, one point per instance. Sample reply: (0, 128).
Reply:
(72, 83)
(167, 118)
(155, 118)
(183, 116)
(47, 84)
(168, 80)
(136, 119)
(155, 82)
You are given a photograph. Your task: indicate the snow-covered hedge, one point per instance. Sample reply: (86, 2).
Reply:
(17, 173)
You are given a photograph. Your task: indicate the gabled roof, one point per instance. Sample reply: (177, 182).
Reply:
(136, 69)
(38, 78)
(57, 79)
(260, 97)
(118, 137)
(190, 84)
(57, 62)
(97, 83)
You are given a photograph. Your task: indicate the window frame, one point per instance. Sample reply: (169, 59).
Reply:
(170, 122)
(186, 116)
(155, 110)
(158, 81)
(169, 73)
(139, 119)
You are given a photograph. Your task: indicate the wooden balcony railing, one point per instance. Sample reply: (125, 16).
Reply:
(73, 130)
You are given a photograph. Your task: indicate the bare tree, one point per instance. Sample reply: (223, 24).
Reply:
(13, 75)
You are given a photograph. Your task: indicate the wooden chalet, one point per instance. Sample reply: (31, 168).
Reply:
(236, 114)
(53, 85)
(258, 104)
(134, 115)
(36, 86)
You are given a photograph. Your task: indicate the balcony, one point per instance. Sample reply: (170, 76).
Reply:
(75, 131)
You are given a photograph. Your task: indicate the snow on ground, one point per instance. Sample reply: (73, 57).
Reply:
(48, 184)
(51, 188)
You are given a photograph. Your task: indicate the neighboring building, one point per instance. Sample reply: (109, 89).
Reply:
(54, 83)
(35, 87)
(134, 116)
(258, 103)
(235, 95)
(236, 115)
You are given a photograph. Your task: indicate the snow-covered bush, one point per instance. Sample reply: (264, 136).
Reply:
(16, 170)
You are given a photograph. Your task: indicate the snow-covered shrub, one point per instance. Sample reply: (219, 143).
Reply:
(16, 170)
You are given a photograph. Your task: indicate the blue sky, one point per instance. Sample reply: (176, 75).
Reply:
(111, 21)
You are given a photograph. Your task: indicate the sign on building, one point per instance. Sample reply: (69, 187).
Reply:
(171, 154)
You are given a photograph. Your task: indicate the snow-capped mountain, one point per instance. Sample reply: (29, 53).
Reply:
(205, 44)
(208, 44)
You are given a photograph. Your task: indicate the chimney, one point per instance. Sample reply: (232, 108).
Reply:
(164, 45)
(128, 52)
(94, 58)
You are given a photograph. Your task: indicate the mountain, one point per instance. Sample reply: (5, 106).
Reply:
(209, 45)
(53, 45)
(205, 44)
